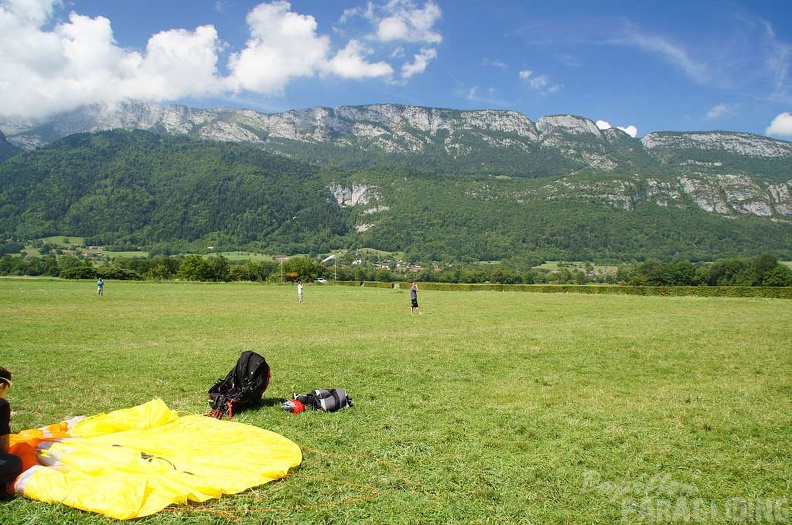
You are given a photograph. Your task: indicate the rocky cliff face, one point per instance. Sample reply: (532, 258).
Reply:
(729, 195)
(384, 124)
(412, 128)
(719, 141)
(721, 172)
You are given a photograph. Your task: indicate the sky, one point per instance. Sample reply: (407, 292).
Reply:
(642, 66)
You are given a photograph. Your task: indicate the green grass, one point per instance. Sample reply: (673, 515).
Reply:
(240, 256)
(490, 407)
(62, 240)
(127, 255)
(554, 266)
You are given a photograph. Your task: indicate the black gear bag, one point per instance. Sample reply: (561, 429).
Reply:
(242, 387)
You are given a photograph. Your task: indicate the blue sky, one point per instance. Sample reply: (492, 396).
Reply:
(642, 66)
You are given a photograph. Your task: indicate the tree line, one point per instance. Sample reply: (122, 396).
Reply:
(762, 270)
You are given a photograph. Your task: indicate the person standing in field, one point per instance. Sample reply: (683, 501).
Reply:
(10, 465)
(100, 287)
(300, 291)
(414, 298)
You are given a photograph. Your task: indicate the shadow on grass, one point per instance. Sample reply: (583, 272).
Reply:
(273, 401)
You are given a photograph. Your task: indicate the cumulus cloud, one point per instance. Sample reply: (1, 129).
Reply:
(403, 20)
(781, 126)
(630, 130)
(283, 46)
(177, 63)
(403, 23)
(350, 63)
(49, 64)
(34, 12)
(603, 124)
(77, 61)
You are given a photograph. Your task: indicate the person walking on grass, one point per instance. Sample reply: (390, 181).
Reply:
(10, 465)
(300, 291)
(100, 287)
(414, 298)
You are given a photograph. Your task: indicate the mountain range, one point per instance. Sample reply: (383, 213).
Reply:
(439, 183)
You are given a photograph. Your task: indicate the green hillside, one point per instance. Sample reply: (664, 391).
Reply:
(172, 194)
(143, 189)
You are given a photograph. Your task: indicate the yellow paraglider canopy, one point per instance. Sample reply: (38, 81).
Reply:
(135, 462)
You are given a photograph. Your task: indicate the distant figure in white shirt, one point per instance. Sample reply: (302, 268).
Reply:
(300, 290)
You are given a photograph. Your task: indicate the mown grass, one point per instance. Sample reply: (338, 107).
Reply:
(490, 407)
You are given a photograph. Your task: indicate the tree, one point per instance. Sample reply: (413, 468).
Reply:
(649, 273)
(217, 269)
(194, 268)
(761, 265)
(727, 272)
(778, 276)
(159, 271)
(303, 267)
(682, 273)
(70, 267)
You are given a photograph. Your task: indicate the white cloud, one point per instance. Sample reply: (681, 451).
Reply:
(354, 12)
(392, 28)
(777, 57)
(78, 62)
(404, 20)
(722, 110)
(494, 63)
(781, 126)
(602, 124)
(49, 65)
(283, 46)
(674, 54)
(746, 56)
(177, 63)
(630, 130)
(420, 62)
(540, 83)
(33, 12)
(490, 97)
(350, 63)
(403, 23)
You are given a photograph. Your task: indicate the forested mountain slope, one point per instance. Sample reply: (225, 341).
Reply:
(174, 193)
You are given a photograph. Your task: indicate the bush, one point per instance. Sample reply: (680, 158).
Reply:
(78, 272)
(121, 274)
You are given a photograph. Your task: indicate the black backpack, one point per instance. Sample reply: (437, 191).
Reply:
(242, 387)
(325, 400)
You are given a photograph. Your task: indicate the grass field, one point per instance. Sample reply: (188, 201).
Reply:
(490, 407)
